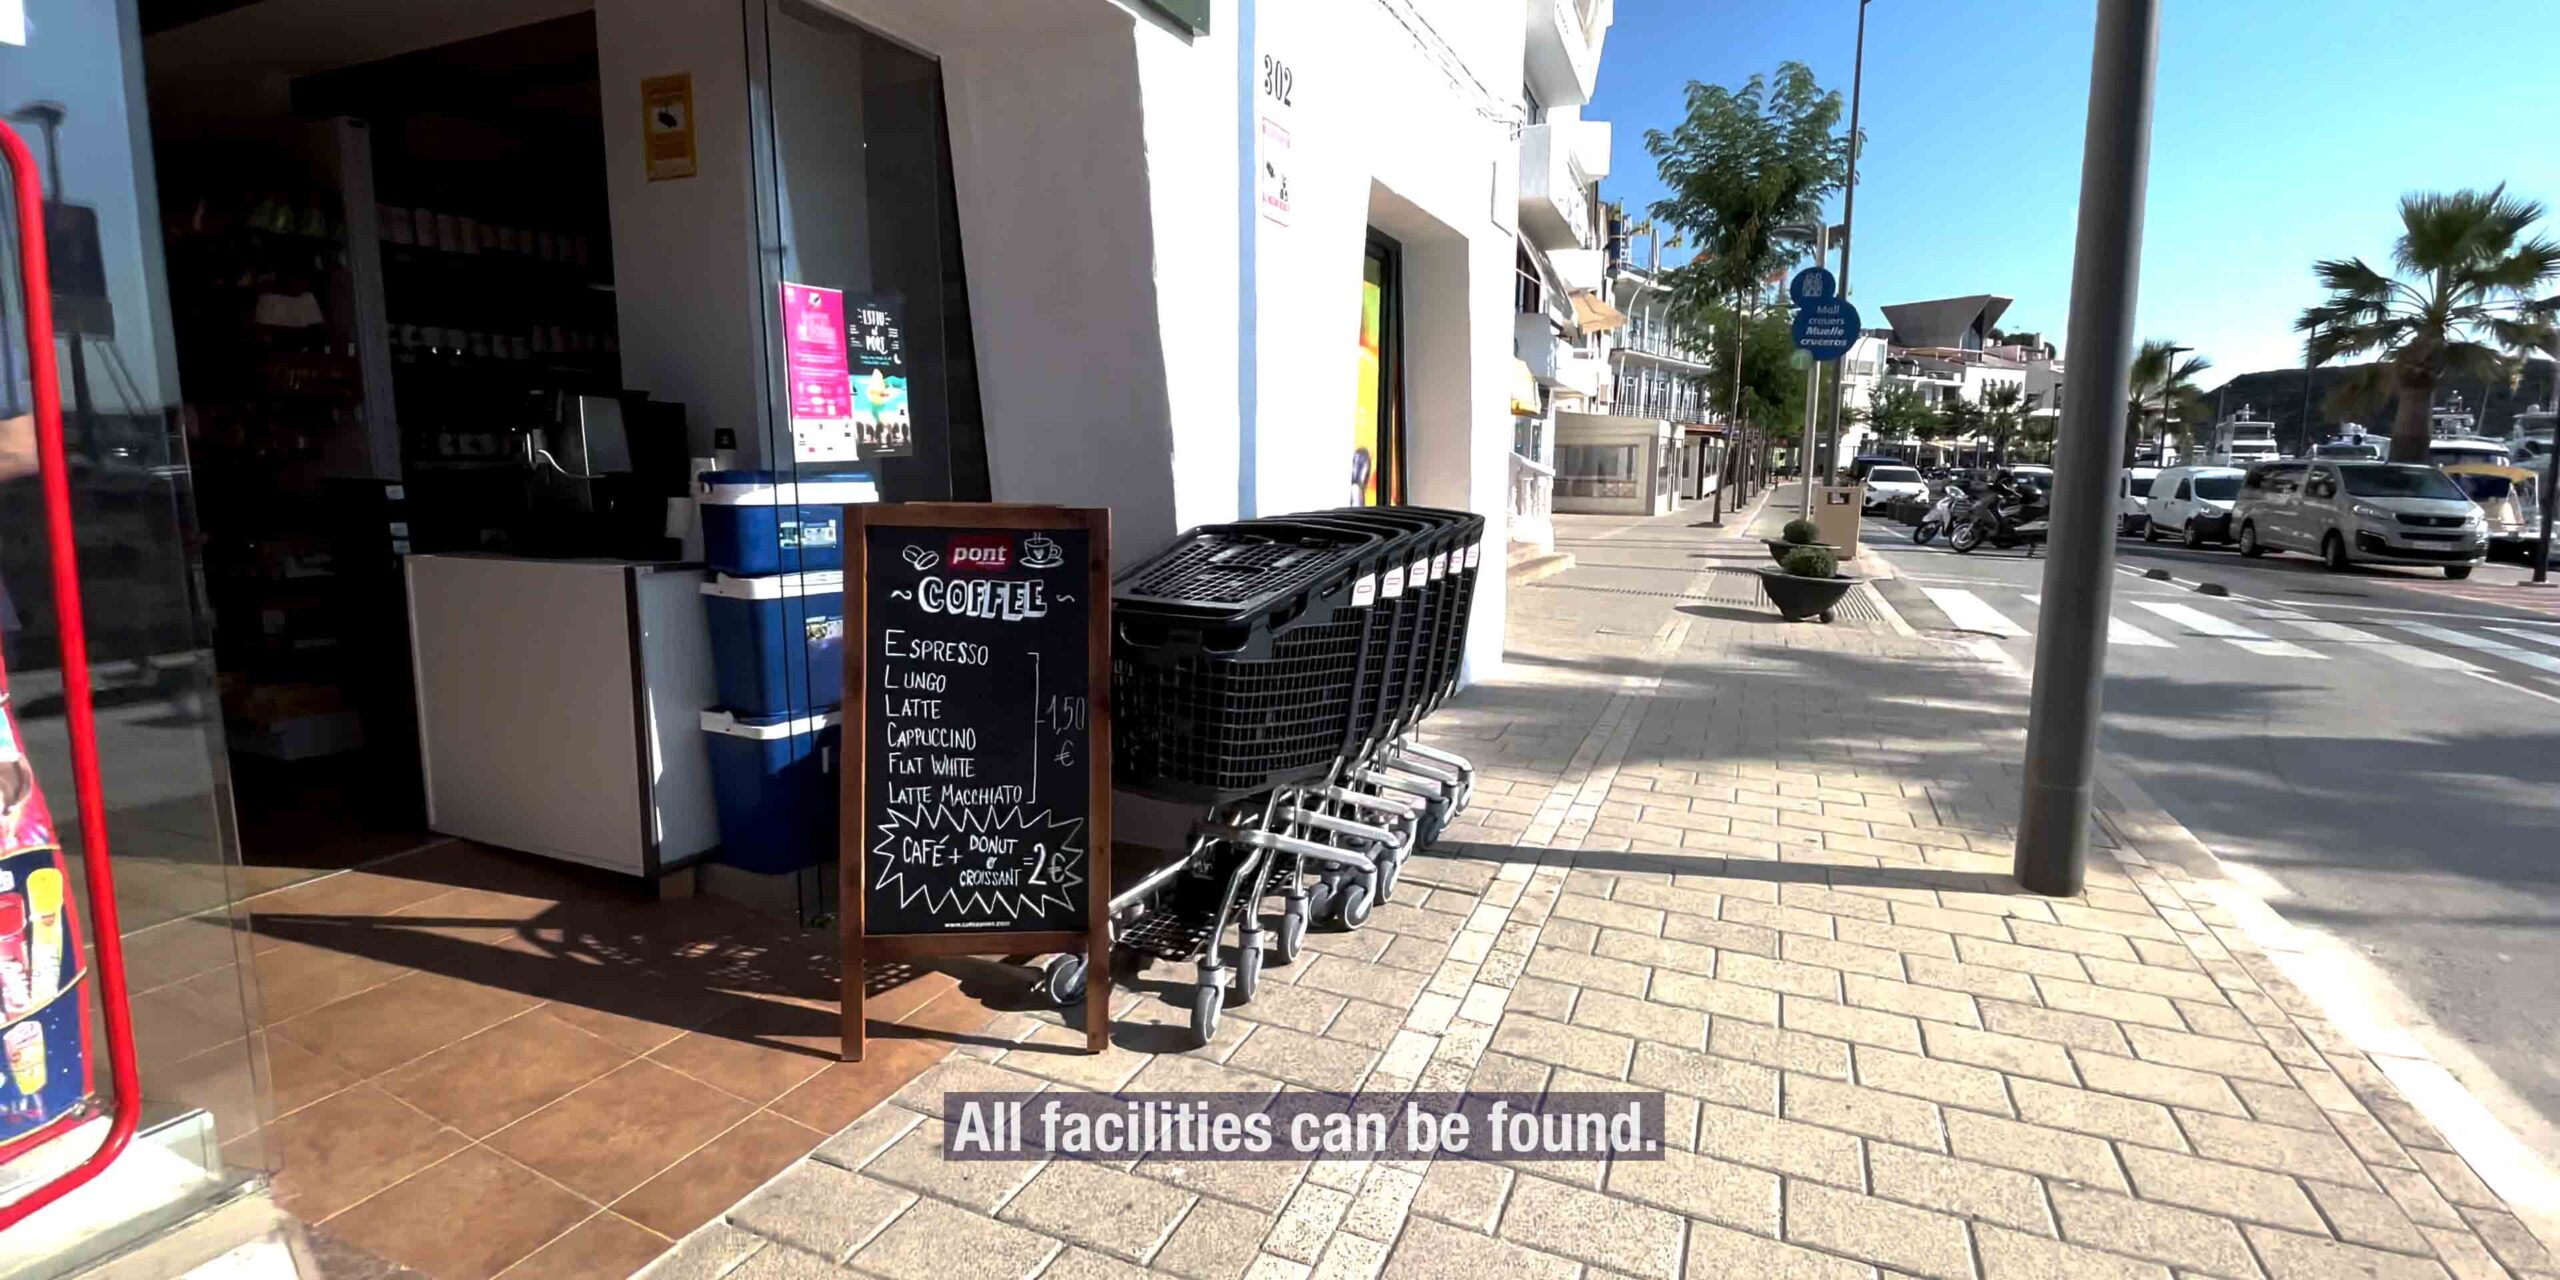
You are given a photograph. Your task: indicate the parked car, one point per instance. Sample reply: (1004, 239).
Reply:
(2351, 513)
(1886, 483)
(2132, 487)
(2509, 500)
(2192, 504)
(1863, 464)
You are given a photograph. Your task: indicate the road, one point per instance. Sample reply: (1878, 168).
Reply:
(2383, 745)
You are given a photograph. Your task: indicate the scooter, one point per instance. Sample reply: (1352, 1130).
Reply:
(1954, 505)
(2006, 517)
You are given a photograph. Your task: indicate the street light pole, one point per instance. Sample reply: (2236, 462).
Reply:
(2079, 578)
(1848, 224)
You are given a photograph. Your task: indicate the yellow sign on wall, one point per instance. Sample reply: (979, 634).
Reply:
(666, 108)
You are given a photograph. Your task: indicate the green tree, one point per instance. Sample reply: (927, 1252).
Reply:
(2003, 411)
(2459, 297)
(2162, 390)
(1741, 164)
(1964, 421)
(1897, 412)
(1772, 371)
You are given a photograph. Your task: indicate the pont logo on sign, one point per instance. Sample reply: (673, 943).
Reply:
(980, 553)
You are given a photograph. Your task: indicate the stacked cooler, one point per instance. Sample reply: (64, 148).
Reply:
(775, 599)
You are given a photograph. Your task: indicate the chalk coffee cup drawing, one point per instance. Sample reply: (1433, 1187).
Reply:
(1040, 551)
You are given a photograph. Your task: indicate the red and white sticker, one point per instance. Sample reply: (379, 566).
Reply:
(1394, 583)
(1365, 592)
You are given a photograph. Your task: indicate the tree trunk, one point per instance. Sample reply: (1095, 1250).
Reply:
(2409, 426)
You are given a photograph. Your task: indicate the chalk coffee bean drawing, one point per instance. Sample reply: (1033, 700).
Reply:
(922, 560)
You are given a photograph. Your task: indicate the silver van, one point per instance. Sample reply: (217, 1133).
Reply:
(2351, 513)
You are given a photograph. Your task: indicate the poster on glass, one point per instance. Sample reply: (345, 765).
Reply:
(876, 335)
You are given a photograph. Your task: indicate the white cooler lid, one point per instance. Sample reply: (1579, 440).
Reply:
(767, 728)
(766, 489)
(776, 586)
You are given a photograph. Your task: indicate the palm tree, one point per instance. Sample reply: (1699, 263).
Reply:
(2460, 296)
(2161, 389)
(2002, 411)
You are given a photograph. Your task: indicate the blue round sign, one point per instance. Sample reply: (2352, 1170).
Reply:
(1825, 328)
(1812, 283)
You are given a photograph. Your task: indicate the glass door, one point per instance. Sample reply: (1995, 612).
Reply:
(69, 87)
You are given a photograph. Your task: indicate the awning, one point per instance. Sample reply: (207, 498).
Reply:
(1525, 397)
(1593, 314)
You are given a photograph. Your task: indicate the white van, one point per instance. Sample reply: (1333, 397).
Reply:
(2133, 485)
(2192, 504)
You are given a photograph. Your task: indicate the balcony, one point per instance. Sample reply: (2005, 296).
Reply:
(1555, 205)
(1564, 48)
(1654, 344)
(1580, 270)
(1554, 361)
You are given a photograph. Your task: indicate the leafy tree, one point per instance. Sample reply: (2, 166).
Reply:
(2162, 388)
(1964, 421)
(2459, 297)
(2003, 411)
(1772, 370)
(1897, 412)
(1741, 164)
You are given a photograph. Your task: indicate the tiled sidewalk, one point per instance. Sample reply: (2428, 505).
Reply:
(1762, 868)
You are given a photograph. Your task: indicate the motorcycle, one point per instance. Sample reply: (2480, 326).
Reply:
(1953, 505)
(2006, 517)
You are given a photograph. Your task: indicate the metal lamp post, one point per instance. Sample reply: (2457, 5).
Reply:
(1849, 221)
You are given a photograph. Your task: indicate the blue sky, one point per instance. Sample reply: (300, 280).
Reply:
(2286, 132)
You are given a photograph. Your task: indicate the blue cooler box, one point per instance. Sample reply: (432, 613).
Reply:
(773, 779)
(758, 522)
(777, 642)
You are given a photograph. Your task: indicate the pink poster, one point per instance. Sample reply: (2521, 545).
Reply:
(814, 359)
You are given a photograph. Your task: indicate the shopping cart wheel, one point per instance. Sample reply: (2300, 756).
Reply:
(1208, 1001)
(1389, 871)
(1062, 979)
(1320, 898)
(1294, 915)
(1249, 967)
(1352, 906)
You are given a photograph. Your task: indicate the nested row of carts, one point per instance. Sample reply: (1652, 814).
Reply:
(1275, 673)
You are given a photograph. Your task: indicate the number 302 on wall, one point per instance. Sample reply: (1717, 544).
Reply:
(1278, 80)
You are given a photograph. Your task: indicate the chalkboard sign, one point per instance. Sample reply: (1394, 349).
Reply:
(977, 795)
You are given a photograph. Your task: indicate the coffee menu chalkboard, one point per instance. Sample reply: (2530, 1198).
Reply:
(977, 805)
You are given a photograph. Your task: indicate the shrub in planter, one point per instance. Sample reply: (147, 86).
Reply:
(1810, 562)
(1800, 532)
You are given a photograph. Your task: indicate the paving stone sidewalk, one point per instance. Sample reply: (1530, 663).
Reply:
(1764, 869)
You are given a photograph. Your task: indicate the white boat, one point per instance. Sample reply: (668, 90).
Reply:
(2242, 439)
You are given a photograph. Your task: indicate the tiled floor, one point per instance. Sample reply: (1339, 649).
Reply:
(579, 1073)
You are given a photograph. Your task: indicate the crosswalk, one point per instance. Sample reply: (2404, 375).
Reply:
(2450, 644)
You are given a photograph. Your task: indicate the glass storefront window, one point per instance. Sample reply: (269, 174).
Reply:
(855, 204)
(168, 813)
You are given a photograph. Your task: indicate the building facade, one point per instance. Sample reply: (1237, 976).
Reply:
(1118, 251)
(1561, 320)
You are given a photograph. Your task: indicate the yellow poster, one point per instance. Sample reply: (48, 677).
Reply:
(666, 109)
(1364, 414)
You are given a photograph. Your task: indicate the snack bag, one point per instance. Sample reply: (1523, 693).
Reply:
(44, 1016)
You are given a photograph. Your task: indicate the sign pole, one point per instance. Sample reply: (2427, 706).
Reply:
(1826, 326)
(2079, 579)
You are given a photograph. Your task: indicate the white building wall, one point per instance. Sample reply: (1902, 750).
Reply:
(1103, 183)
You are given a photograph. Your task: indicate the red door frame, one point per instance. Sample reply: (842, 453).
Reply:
(82, 722)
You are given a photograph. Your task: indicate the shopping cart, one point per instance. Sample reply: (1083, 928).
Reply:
(1272, 672)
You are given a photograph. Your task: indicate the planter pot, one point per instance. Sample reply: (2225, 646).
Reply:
(1779, 547)
(1801, 598)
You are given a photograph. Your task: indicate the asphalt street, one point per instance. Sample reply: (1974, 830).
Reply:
(2384, 745)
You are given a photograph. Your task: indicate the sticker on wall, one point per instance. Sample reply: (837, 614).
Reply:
(819, 373)
(666, 107)
(1274, 172)
(875, 334)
